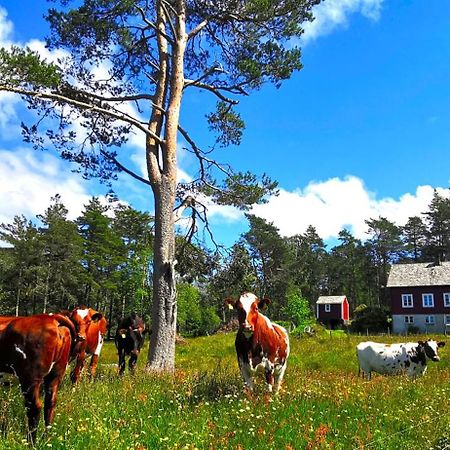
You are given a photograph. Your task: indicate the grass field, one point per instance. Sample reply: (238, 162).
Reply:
(323, 404)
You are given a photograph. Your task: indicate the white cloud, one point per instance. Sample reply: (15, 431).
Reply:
(28, 180)
(6, 28)
(336, 203)
(332, 14)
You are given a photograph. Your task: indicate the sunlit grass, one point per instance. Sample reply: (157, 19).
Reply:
(323, 404)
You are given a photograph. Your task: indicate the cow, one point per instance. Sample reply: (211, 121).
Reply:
(390, 359)
(260, 343)
(129, 340)
(36, 349)
(91, 326)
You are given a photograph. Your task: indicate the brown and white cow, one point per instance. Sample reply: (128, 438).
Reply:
(260, 343)
(91, 327)
(36, 349)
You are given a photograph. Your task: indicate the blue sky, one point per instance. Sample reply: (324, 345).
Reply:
(362, 131)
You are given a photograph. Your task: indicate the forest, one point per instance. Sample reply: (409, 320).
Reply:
(103, 259)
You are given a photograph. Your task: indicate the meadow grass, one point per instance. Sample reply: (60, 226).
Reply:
(323, 404)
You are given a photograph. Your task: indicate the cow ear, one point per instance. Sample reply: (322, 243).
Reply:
(230, 303)
(96, 317)
(441, 344)
(263, 302)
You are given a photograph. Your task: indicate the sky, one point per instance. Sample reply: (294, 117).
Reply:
(362, 131)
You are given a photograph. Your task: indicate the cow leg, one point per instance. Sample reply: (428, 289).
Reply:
(51, 385)
(121, 361)
(279, 375)
(269, 378)
(246, 374)
(79, 365)
(93, 365)
(132, 362)
(33, 406)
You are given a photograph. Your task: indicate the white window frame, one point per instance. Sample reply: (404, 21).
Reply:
(447, 319)
(406, 298)
(432, 300)
(327, 307)
(446, 296)
(430, 322)
(409, 320)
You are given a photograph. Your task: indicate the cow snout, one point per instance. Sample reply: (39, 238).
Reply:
(436, 358)
(81, 337)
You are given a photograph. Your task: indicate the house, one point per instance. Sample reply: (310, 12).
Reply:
(332, 310)
(420, 297)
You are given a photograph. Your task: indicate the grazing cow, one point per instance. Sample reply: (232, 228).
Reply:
(390, 359)
(91, 327)
(36, 349)
(129, 340)
(260, 343)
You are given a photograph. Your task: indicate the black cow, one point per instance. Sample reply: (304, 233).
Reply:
(130, 337)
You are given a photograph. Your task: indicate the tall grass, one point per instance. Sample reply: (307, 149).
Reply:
(323, 404)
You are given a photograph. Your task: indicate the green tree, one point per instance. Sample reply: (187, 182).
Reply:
(437, 218)
(414, 235)
(270, 257)
(298, 309)
(155, 51)
(308, 268)
(385, 247)
(24, 281)
(62, 249)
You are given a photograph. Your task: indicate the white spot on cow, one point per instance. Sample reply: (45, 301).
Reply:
(83, 313)
(19, 350)
(247, 300)
(51, 367)
(99, 345)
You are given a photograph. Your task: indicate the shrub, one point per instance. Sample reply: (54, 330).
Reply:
(372, 318)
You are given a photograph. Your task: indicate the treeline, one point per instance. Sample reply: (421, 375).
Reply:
(104, 260)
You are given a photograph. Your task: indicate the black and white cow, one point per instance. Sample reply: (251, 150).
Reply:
(390, 359)
(129, 340)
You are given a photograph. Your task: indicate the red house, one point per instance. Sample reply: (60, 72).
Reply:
(332, 310)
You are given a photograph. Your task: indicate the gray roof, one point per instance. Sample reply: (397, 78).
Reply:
(330, 299)
(419, 274)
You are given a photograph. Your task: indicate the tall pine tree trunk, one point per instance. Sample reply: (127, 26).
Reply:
(164, 313)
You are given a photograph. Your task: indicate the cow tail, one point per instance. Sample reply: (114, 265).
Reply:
(66, 322)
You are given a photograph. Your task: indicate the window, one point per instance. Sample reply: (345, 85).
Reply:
(427, 300)
(447, 300)
(447, 320)
(407, 300)
(409, 319)
(429, 320)
(327, 307)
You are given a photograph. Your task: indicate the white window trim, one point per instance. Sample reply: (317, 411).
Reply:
(432, 300)
(447, 319)
(404, 296)
(327, 307)
(408, 321)
(446, 296)
(427, 322)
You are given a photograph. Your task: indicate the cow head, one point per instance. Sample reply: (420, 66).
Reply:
(135, 331)
(247, 307)
(430, 348)
(82, 317)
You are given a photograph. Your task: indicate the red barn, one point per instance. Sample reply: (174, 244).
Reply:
(332, 310)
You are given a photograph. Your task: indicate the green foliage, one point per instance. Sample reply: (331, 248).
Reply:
(298, 310)
(227, 123)
(23, 67)
(372, 318)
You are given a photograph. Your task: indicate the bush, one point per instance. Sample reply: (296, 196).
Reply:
(298, 310)
(371, 318)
